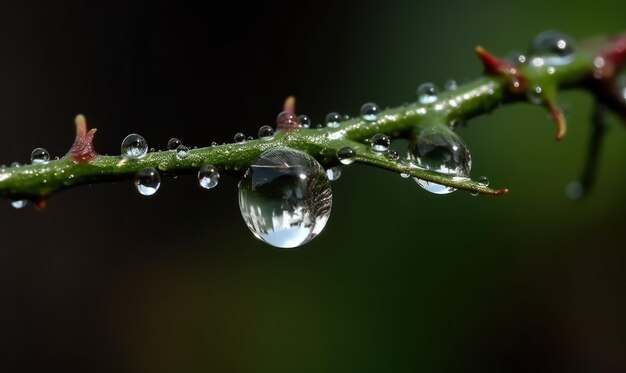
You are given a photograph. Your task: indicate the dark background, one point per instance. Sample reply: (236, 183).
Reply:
(400, 280)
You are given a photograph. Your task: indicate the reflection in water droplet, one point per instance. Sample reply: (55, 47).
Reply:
(208, 176)
(427, 93)
(380, 142)
(182, 151)
(134, 146)
(266, 132)
(19, 203)
(369, 112)
(239, 137)
(346, 155)
(173, 143)
(333, 120)
(333, 173)
(39, 156)
(285, 198)
(147, 181)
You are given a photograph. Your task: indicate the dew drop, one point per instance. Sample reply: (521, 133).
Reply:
(305, 121)
(346, 155)
(134, 146)
(369, 112)
(208, 176)
(404, 175)
(333, 120)
(535, 95)
(516, 57)
(285, 198)
(380, 142)
(239, 137)
(19, 203)
(173, 143)
(15, 164)
(483, 180)
(427, 93)
(441, 150)
(333, 173)
(182, 151)
(214, 143)
(286, 119)
(266, 132)
(575, 190)
(393, 155)
(553, 43)
(39, 156)
(621, 86)
(451, 85)
(147, 181)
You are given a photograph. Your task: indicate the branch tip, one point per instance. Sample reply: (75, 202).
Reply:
(559, 119)
(83, 150)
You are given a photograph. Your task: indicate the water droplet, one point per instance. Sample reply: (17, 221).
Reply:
(440, 149)
(266, 132)
(404, 175)
(346, 117)
(333, 120)
(286, 119)
(15, 164)
(239, 137)
(427, 93)
(305, 121)
(552, 43)
(370, 111)
(393, 155)
(516, 57)
(575, 190)
(147, 181)
(182, 151)
(152, 150)
(39, 156)
(208, 176)
(285, 198)
(346, 155)
(333, 173)
(535, 95)
(621, 86)
(134, 146)
(380, 142)
(19, 203)
(214, 143)
(483, 180)
(173, 143)
(451, 85)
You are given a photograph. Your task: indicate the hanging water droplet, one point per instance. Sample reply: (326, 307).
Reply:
(266, 132)
(333, 173)
(305, 121)
(134, 146)
(427, 93)
(439, 149)
(404, 175)
(483, 180)
(286, 119)
(19, 203)
(147, 181)
(208, 176)
(239, 137)
(451, 85)
(182, 151)
(393, 155)
(380, 142)
(39, 156)
(346, 155)
(285, 198)
(552, 43)
(369, 112)
(173, 143)
(333, 120)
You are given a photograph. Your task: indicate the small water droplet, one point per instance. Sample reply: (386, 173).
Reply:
(535, 95)
(214, 143)
(173, 143)
(333, 173)
(147, 181)
(134, 146)
(152, 150)
(239, 137)
(182, 151)
(208, 176)
(19, 203)
(370, 111)
(286, 119)
(346, 155)
(393, 155)
(266, 132)
(305, 121)
(575, 190)
(333, 120)
(516, 57)
(39, 156)
(483, 180)
(346, 117)
(404, 175)
(621, 86)
(553, 44)
(427, 93)
(285, 198)
(451, 85)
(15, 164)
(380, 142)
(474, 193)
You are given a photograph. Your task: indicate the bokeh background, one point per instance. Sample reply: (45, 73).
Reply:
(106, 280)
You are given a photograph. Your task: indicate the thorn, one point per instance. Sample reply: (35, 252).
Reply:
(82, 150)
(501, 192)
(559, 119)
(495, 65)
(290, 105)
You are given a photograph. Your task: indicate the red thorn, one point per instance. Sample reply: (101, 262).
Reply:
(559, 119)
(83, 151)
(290, 105)
(501, 192)
(615, 51)
(496, 66)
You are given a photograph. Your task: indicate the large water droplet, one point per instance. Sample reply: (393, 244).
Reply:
(285, 198)
(333, 120)
(333, 173)
(239, 137)
(208, 176)
(440, 149)
(556, 47)
(182, 151)
(266, 132)
(380, 142)
(286, 119)
(134, 146)
(427, 93)
(39, 156)
(147, 181)
(370, 111)
(305, 121)
(346, 155)
(19, 203)
(173, 143)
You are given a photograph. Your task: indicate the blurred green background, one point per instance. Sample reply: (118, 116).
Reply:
(400, 280)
